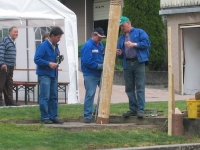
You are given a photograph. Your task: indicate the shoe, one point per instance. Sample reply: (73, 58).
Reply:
(140, 114)
(13, 104)
(87, 120)
(129, 113)
(1, 104)
(47, 121)
(57, 121)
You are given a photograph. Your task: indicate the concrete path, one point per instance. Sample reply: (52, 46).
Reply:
(153, 93)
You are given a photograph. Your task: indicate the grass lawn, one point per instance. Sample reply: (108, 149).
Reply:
(73, 111)
(39, 137)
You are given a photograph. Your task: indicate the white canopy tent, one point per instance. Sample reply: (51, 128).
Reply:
(27, 15)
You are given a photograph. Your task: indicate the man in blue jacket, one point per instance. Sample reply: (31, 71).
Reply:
(92, 65)
(45, 59)
(133, 49)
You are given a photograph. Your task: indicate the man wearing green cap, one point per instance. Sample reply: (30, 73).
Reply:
(133, 49)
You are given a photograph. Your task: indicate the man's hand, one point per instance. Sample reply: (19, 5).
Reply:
(119, 52)
(130, 44)
(4, 67)
(53, 65)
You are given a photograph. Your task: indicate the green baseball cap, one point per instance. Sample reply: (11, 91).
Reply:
(123, 19)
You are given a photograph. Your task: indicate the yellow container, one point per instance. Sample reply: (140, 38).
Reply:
(193, 108)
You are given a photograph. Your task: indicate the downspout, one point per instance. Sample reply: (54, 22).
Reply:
(27, 50)
(184, 62)
(85, 21)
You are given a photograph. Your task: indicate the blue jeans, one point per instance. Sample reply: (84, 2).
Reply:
(90, 83)
(134, 76)
(48, 97)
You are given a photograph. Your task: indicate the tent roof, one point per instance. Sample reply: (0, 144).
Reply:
(34, 10)
(41, 13)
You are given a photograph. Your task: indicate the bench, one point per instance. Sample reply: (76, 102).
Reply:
(30, 86)
(62, 87)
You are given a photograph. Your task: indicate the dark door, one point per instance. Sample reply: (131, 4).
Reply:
(103, 24)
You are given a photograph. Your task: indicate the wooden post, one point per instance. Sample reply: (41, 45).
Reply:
(169, 83)
(173, 95)
(109, 62)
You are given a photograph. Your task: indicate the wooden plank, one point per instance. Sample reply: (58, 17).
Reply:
(169, 83)
(173, 95)
(109, 62)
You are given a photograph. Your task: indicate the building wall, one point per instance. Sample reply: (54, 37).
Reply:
(90, 22)
(79, 10)
(174, 21)
(178, 3)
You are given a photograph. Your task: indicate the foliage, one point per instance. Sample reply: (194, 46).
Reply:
(144, 14)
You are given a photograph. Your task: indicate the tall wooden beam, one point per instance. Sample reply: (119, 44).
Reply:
(170, 83)
(109, 62)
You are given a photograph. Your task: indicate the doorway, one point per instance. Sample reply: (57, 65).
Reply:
(103, 24)
(191, 44)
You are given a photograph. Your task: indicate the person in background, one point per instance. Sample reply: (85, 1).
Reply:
(133, 49)
(45, 36)
(7, 64)
(92, 64)
(45, 59)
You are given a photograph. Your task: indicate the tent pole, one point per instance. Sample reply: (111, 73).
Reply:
(27, 55)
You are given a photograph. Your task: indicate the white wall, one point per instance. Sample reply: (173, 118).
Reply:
(101, 10)
(192, 57)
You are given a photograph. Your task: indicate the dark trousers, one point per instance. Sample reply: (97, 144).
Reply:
(6, 85)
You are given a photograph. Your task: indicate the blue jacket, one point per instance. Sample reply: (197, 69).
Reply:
(140, 37)
(91, 58)
(43, 55)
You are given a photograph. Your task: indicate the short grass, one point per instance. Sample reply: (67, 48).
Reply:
(39, 137)
(32, 137)
(73, 111)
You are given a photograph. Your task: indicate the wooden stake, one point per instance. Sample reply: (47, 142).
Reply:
(109, 62)
(169, 83)
(173, 95)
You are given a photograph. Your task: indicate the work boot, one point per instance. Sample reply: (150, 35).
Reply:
(129, 113)
(87, 120)
(57, 121)
(46, 121)
(140, 114)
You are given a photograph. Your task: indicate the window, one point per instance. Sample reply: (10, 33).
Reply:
(3, 33)
(39, 32)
